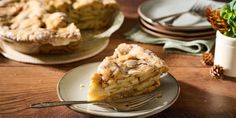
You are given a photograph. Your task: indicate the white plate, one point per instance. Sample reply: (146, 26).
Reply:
(184, 38)
(177, 33)
(88, 49)
(70, 89)
(92, 45)
(157, 8)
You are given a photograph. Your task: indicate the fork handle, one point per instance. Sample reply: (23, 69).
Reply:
(58, 103)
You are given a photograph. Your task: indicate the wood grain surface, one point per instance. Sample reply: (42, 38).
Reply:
(201, 96)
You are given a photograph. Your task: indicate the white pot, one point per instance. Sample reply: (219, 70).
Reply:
(225, 54)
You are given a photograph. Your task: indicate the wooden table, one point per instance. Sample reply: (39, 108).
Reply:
(201, 96)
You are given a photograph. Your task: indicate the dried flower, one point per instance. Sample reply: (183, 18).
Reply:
(217, 22)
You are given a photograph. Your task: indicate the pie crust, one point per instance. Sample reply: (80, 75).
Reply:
(48, 26)
(130, 71)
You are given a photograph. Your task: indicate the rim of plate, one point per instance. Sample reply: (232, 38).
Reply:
(147, 113)
(176, 33)
(33, 59)
(149, 20)
(158, 34)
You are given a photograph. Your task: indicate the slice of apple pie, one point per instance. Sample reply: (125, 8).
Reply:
(130, 71)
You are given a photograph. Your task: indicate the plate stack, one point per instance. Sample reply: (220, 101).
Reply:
(187, 26)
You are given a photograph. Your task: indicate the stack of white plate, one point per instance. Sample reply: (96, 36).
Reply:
(186, 27)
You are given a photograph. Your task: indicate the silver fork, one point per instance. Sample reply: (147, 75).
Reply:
(125, 104)
(198, 8)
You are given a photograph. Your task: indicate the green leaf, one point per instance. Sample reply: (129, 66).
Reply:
(228, 12)
(229, 33)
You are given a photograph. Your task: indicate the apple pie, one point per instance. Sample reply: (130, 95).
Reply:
(44, 26)
(130, 71)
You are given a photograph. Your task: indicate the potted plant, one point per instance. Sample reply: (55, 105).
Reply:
(224, 21)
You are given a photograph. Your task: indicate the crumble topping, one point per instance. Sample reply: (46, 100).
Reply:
(53, 21)
(130, 71)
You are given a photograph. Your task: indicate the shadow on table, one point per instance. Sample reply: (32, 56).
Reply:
(194, 102)
(227, 78)
(2, 59)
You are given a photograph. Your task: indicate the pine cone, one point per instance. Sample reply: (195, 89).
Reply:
(217, 71)
(217, 22)
(207, 58)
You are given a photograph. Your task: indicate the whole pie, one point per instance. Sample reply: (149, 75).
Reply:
(130, 71)
(44, 26)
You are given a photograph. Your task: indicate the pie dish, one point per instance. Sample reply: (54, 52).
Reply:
(52, 26)
(130, 71)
